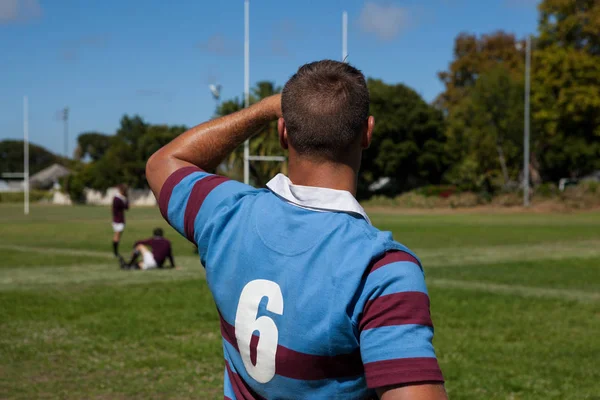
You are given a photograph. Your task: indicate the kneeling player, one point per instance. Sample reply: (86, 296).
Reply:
(150, 253)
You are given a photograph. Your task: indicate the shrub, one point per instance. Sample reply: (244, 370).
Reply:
(546, 190)
(581, 196)
(464, 200)
(443, 191)
(74, 186)
(380, 201)
(508, 199)
(18, 197)
(591, 187)
(416, 200)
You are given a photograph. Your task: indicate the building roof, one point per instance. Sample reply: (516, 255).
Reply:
(48, 176)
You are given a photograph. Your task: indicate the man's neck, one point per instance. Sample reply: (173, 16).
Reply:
(322, 174)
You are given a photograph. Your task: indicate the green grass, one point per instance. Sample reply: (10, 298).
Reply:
(515, 300)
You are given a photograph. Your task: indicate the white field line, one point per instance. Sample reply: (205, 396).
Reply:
(11, 278)
(522, 291)
(431, 258)
(434, 258)
(23, 277)
(57, 250)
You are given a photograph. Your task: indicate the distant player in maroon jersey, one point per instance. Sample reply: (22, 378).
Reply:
(119, 205)
(153, 252)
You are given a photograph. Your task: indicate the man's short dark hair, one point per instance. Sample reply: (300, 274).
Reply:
(325, 106)
(158, 232)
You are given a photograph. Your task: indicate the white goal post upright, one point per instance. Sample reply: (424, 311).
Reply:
(247, 85)
(26, 155)
(247, 156)
(25, 174)
(345, 36)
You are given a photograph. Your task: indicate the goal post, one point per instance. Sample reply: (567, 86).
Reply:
(25, 174)
(247, 156)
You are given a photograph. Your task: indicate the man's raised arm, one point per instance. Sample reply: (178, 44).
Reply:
(208, 144)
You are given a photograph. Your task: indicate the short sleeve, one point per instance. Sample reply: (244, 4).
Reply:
(191, 197)
(395, 326)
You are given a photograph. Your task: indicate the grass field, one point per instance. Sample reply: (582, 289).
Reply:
(515, 300)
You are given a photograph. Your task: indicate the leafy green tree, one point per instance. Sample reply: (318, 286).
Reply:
(120, 158)
(11, 157)
(485, 133)
(92, 145)
(408, 141)
(570, 23)
(565, 88)
(476, 55)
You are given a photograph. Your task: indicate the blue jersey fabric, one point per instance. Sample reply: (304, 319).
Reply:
(313, 304)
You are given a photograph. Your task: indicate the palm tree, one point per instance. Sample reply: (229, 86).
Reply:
(265, 143)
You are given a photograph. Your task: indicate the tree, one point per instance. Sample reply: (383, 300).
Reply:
(265, 143)
(408, 141)
(474, 56)
(485, 133)
(120, 158)
(11, 157)
(565, 95)
(92, 145)
(570, 24)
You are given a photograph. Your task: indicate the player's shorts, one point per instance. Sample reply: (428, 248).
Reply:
(118, 226)
(148, 261)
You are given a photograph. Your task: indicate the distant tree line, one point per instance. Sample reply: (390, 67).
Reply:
(471, 137)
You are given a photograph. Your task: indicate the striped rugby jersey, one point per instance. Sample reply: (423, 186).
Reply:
(314, 301)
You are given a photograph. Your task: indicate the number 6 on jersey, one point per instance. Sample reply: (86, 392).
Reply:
(246, 323)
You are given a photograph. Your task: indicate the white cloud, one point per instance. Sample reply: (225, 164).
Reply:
(19, 10)
(384, 21)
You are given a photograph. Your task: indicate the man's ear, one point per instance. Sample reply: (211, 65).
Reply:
(368, 133)
(282, 130)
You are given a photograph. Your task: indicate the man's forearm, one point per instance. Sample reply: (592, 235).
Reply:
(208, 144)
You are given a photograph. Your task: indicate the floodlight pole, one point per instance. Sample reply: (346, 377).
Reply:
(65, 118)
(246, 84)
(25, 155)
(344, 36)
(526, 123)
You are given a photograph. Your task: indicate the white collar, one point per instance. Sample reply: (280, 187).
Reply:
(119, 195)
(316, 198)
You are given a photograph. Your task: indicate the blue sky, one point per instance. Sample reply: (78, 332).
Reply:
(105, 58)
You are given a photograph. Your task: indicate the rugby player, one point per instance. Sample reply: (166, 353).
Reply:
(314, 301)
(119, 205)
(153, 252)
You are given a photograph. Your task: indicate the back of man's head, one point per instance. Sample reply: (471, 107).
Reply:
(158, 232)
(122, 188)
(325, 106)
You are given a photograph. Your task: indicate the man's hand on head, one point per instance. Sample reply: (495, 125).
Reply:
(207, 145)
(274, 102)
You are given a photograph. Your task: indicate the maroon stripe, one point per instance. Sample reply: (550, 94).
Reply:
(402, 371)
(396, 309)
(392, 257)
(292, 364)
(241, 390)
(199, 192)
(253, 348)
(296, 365)
(226, 398)
(228, 333)
(169, 185)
